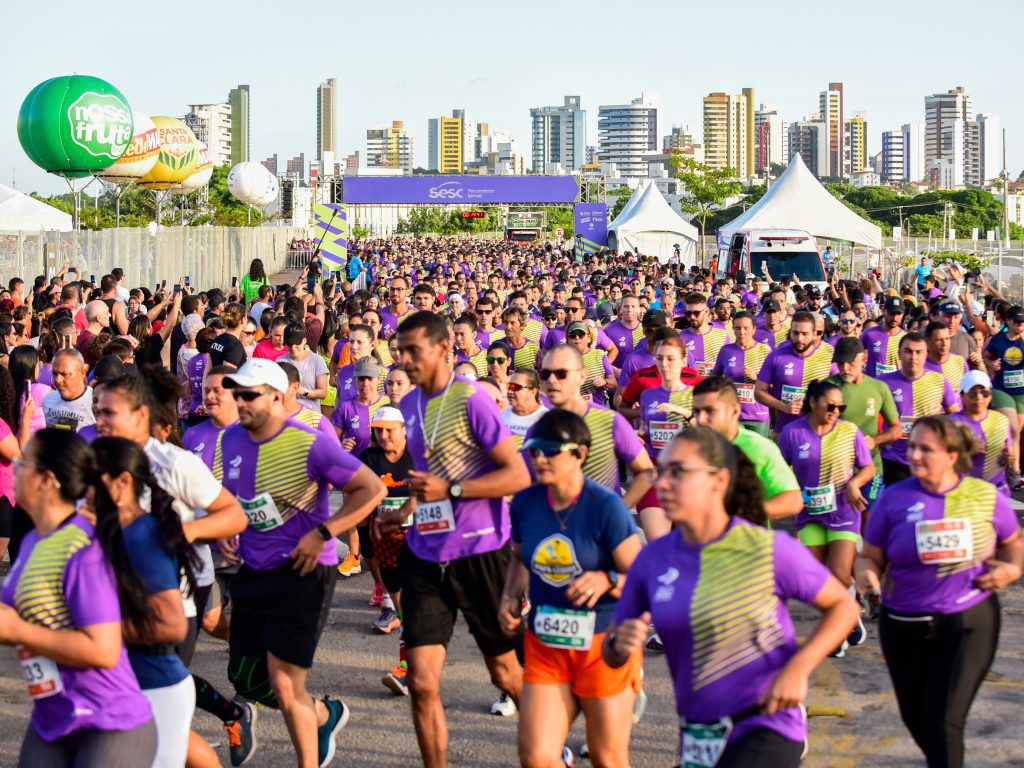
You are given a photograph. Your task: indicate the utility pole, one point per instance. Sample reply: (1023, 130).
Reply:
(1006, 215)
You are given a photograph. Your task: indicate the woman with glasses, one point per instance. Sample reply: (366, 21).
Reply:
(573, 542)
(362, 342)
(525, 407)
(832, 462)
(939, 545)
(63, 603)
(499, 365)
(600, 376)
(740, 675)
(992, 449)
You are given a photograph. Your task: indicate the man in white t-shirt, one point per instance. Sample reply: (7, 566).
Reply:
(69, 405)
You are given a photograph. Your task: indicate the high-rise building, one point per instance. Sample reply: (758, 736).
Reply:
(729, 132)
(903, 154)
(940, 111)
(856, 141)
(326, 118)
(627, 132)
(270, 164)
(211, 123)
(830, 108)
(467, 135)
(559, 136)
(810, 139)
(390, 147)
(444, 144)
(983, 154)
(298, 165)
(238, 99)
(771, 139)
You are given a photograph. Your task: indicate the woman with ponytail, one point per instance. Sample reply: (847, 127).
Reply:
(87, 706)
(740, 675)
(939, 545)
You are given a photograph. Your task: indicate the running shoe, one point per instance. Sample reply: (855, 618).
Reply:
(350, 566)
(567, 757)
(584, 750)
(327, 734)
(859, 634)
(377, 599)
(839, 652)
(394, 680)
(387, 621)
(242, 735)
(504, 707)
(654, 644)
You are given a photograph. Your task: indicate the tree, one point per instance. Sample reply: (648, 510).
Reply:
(622, 195)
(706, 188)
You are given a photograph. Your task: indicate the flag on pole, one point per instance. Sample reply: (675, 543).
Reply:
(331, 222)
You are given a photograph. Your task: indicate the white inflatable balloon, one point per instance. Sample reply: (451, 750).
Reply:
(199, 179)
(141, 155)
(252, 184)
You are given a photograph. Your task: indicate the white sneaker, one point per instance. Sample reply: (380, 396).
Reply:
(504, 707)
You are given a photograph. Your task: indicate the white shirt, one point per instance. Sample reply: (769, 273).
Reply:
(68, 414)
(520, 425)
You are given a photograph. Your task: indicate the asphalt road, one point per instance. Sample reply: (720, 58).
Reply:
(351, 661)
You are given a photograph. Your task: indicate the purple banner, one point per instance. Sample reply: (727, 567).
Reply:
(456, 190)
(591, 224)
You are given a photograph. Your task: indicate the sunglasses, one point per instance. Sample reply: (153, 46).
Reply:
(559, 373)
(248, 395)
(578, 334)
(693, 312)
(574, 309)
(979, 392)
(849, 322)
(513, 387)
(550, 448)
(497, 360)
(832, 407)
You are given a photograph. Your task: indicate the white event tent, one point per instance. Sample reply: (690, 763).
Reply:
(799, 201)
(648, 225)
(18, 211)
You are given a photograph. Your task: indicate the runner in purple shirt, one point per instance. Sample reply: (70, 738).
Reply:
(627, 331)
(740, 363)
(944, 543)
(745, 663)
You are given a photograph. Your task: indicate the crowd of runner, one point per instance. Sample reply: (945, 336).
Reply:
(586, 459)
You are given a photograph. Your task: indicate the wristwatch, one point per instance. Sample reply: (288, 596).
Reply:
(455, 490)
(325, 534)
(613, 578)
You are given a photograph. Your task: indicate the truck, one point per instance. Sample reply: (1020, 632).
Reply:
(775, 252)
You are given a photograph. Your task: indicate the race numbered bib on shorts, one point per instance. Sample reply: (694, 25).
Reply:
(435, 517)
(564, 628)
(393, 503)
(262, 513)
(944, 542)
(881, 368)
(791, 394)
(1013, 379)
(662, 432)
(906, 424)
(41, 674)
(745, 393)
(703, 745)
(820, 500)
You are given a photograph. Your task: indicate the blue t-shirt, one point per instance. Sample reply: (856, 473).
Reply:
(1010, 376)
(594, 527)
(922, 272)
(355, 265)
(159, 571)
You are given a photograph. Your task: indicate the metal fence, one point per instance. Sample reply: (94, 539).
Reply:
(211, 256)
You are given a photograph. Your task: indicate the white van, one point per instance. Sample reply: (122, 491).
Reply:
(784, 252)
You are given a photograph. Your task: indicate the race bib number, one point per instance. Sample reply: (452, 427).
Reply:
(705, 368)
(662, 432)
(435, 517)
(1013, 378)
(745, 392)
(791, 394)
(881, 369)
(820, 500)
(944, 542)
(262, 513)
(703, 744)
(393, 503)
(564, 628)
(41, 674)
(906, 424)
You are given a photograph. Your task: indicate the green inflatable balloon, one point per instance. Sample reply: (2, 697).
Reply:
(74, 125)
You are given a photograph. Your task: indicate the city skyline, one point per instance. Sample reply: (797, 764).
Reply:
(486, 74)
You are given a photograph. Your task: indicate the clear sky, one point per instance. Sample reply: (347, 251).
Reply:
(404, 60)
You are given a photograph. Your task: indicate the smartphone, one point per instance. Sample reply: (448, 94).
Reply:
(310, 282)
(337, 275)
(92, 279)
(157, 288)
(163, 283)
(188, 280)
(234, 282)
(177, 288)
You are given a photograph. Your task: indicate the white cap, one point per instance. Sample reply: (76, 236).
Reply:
(974, 379)
(387, 417)
(259, 372)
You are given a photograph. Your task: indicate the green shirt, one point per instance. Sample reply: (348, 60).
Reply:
(251, 288)
(864, 402)
(775, 474)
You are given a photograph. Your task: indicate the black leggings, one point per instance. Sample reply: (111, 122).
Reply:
(89, 748)
(936, 668)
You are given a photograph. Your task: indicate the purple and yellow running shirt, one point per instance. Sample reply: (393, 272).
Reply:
(661, 428)
(204, 441)
(937, 544)
(732, 359)
(995, 435)
(787, 375)
(823, 465)
(883, 350)
(954, 369)
(284, 487)
(702, 350)
(927, 395)
(720, 610)
(625, 339)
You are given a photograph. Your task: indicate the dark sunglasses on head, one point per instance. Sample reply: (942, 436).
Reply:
(559, 373)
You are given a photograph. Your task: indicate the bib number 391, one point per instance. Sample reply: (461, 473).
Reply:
(41, 674)
(703, 745)
(435, 517)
